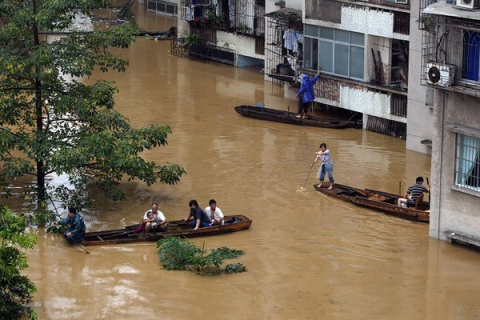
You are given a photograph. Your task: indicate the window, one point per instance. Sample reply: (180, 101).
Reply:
(467, 162)
(471, 46)
(334, 51)
(163, 7)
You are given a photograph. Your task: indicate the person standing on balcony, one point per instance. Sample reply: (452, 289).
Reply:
(306, 94)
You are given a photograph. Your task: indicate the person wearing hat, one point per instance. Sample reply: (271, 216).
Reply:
(76, 226)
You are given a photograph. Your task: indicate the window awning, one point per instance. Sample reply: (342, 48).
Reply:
(449, 10)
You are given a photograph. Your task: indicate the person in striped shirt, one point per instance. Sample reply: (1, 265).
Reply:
(412, 194)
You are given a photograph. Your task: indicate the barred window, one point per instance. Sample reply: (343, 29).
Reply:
(467, 162)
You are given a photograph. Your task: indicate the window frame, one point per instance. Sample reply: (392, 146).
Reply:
(332, 38)
(457, 184)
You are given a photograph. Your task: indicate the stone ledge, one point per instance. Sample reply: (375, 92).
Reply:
(461, 238)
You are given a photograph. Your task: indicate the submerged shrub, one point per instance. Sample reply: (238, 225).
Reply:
(180, 254)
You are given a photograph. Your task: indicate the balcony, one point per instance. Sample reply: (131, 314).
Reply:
(244, 17)
(450, 48)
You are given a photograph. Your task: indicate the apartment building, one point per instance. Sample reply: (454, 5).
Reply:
(450, 67)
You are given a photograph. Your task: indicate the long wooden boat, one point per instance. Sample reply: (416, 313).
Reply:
(269, 114)
(376, 200)
(176, 228)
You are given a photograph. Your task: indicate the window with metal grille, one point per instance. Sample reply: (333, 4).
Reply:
(401, 22)
(467, 162)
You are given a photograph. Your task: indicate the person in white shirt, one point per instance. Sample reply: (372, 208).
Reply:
(154, 219)
(214, 213)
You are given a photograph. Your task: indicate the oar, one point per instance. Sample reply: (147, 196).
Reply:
(428, 184)
(81, 246)
(311, 166)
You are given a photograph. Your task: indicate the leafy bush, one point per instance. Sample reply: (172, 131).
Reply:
(15, 289)
(175, 253)
(180, 254)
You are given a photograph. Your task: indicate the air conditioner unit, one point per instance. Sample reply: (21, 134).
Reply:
(468, 4)
(401, 1)
(440, 74)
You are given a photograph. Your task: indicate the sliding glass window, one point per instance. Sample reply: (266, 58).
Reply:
(334, 51)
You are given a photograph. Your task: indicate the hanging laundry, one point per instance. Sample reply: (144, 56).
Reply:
(289, 37)
(299, 36)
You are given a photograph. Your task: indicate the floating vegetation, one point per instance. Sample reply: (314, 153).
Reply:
(180, 254)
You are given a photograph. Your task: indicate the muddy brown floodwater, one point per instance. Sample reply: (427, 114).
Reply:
(308, 256)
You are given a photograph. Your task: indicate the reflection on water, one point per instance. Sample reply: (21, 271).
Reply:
(308, 256)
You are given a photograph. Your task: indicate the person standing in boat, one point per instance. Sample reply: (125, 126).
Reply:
(214, 213)
(76, 226)
(306, 94)
(326, 166)
(200, 218)
(412, 194)
(154, 219)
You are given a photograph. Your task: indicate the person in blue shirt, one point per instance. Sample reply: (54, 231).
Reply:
(200, 218)
(306, 94)
(76, 226)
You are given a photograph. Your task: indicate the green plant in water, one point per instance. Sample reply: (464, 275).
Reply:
(15, 289)
(175, 253)
(193, 39)
(180, 254)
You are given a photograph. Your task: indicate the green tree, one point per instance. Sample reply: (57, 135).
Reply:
(52, 122)
(15, 289)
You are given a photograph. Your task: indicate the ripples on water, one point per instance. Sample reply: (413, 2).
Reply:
(308, 256)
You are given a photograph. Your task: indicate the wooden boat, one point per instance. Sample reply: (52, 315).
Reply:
(176, 228)
(377, 200)
(290, 117)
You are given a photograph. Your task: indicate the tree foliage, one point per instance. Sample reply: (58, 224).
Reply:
(15, 289)
(52, 122)
(180, 254)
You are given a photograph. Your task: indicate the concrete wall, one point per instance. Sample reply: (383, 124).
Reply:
(451, 208)
(420, 116)
(364, 20)
(240, 44)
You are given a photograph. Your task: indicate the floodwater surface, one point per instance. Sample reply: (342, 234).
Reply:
(308, 256)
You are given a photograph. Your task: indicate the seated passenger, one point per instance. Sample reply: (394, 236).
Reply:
(412, 194)
(153, 220)
(214, 213)
(200, 218)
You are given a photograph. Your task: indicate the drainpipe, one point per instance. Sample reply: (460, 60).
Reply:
(442, 139)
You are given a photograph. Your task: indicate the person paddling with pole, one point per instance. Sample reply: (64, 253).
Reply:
(76, 227)
(326, 166)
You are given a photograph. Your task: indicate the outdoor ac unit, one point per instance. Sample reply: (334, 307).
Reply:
(468, 4)
(439, 74)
